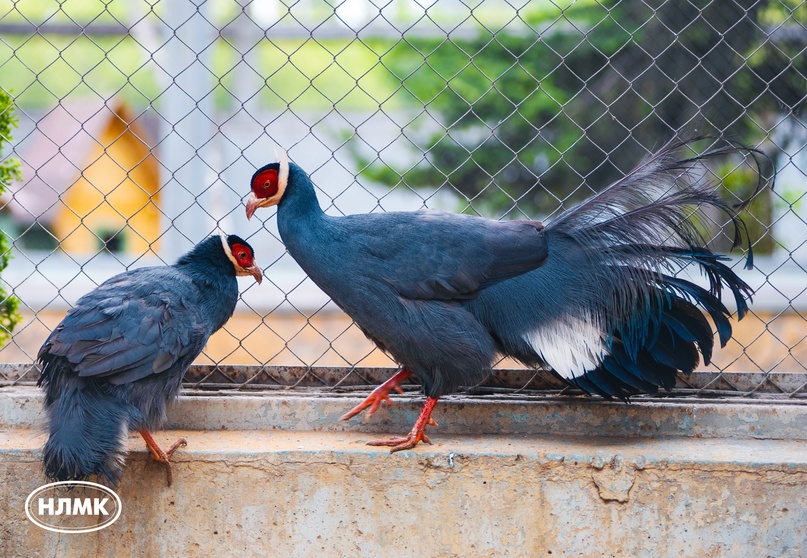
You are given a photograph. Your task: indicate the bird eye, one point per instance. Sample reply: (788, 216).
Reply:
(242, 255)
(264, 184)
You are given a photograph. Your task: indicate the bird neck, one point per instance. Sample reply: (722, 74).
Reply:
(207, 259)
(299, 203)
(213, 275)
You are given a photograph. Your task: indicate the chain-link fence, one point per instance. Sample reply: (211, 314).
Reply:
(139, 125)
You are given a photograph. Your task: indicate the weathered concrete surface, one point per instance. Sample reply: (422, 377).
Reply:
(257, 493)
(318, 409)
(673, 480)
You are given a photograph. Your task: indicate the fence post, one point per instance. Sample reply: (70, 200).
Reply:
(186, 126)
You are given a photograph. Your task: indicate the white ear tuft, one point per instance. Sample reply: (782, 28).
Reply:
(227, 250)
(283, 175)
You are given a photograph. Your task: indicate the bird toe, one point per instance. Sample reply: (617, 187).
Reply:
(181, 443)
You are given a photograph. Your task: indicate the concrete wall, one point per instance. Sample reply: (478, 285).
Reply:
(273, 475)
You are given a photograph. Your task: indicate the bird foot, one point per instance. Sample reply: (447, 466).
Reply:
(181, 443)
(402, 443)
(378, 395)
(164, 457)
(416, 435)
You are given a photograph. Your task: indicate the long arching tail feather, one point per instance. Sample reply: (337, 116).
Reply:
(620, 252)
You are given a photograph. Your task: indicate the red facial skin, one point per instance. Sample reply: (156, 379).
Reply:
(265, 184)
(243, 255)
(264, 187)
(245, 259)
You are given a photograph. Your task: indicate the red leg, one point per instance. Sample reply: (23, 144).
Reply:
(379, 394)
(415, 435)
(158, 454)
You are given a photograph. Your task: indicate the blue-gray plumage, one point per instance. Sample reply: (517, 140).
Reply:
(117, 359)
(592, 296)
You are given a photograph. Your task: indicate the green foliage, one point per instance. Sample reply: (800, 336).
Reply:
(534, 121)
(738, 179)
(9, 170)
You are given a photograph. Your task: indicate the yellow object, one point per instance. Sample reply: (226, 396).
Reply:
(114, 197)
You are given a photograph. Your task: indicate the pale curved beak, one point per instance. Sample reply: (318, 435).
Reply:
(255, 271)
(253, 203)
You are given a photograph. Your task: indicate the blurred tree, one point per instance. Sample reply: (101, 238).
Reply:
(539, 116)
(9, 170)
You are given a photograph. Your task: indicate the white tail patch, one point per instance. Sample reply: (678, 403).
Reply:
(571, 346)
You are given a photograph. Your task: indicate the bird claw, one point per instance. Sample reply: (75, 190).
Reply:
(402, 443)
(164, 457)
(379, 395)
(181, 443)
(416, 435)
(373, 401)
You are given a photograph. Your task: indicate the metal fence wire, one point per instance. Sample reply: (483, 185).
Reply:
(140, 123)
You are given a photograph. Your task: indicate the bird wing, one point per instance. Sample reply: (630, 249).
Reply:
(438, 255)
(135, 324)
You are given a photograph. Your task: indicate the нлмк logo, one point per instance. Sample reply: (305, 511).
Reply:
(73, 507)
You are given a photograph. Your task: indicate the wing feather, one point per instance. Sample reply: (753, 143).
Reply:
(437, 255)
(128, 328)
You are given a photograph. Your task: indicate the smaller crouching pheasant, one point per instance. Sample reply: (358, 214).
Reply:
(117, 359)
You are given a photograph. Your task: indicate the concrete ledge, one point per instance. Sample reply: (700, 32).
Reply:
(274, 475)
(319, 410)
(257, 493)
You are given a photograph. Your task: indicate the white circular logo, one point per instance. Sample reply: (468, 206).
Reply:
(73, 507)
